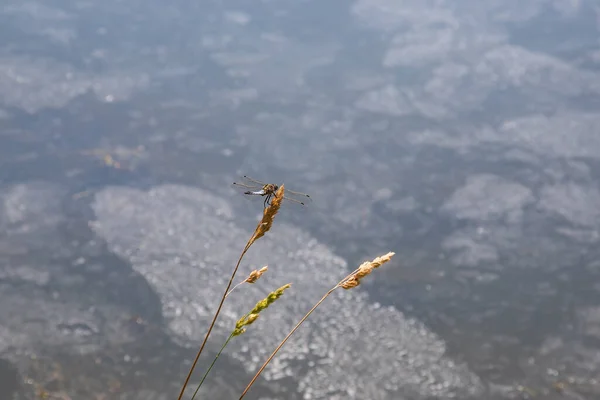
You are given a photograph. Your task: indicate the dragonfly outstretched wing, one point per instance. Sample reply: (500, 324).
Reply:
(244, 187)
(297, 197)
(251, 181)
(250, 191)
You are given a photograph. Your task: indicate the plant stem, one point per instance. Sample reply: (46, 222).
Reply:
(235, 287)
(212, 364)
(212, 324)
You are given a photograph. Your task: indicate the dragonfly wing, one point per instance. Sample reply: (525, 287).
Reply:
(297, 197)
(252, 181)
(239, 185)
(251, 192)
(287, 199)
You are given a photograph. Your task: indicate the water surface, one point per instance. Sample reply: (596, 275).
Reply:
(463, 135)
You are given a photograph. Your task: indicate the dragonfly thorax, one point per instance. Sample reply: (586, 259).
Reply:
(270, 188)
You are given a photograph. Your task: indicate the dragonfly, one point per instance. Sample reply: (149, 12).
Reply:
(253, 187)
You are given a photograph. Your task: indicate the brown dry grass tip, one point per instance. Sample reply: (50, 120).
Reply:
(249, 318)
(365, 269)
(256, 274)
(268, 215)
(252, 278)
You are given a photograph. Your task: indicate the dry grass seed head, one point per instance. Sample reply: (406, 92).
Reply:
(269, 214)
(256, 274)
(382, 259)
(365, 269)
(350, 283)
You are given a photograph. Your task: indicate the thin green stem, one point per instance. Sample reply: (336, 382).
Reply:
(212, 364)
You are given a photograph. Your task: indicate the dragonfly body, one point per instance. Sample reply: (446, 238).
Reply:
(259, 193)
(268, 190)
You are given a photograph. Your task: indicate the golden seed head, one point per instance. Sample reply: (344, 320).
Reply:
(350, 283)
(365, 269)
(382, 259)
(269, 214)
(255, 275)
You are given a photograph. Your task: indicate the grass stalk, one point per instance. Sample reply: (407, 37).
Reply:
(212, 364)
(350, 281)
